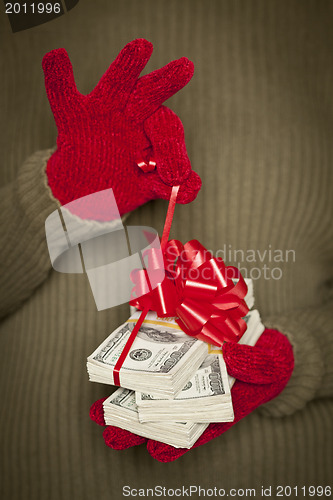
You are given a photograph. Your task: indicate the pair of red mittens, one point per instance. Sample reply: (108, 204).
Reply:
(261, 371)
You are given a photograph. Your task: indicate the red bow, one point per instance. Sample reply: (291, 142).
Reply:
(206, 296)
(147, 166)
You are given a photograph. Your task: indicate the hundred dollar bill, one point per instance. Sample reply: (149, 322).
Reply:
(206, 397)
(162, 357)
(120, 409)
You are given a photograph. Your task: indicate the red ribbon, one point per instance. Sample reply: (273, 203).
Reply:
(165, 236)
(206, 296)
(125, 351)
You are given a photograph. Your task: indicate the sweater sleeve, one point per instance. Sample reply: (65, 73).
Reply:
(25, 204)
(310, 331)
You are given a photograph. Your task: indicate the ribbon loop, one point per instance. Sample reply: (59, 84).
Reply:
(205, 295)
(147, 166)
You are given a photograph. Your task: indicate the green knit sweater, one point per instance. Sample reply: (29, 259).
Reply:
(258, 127)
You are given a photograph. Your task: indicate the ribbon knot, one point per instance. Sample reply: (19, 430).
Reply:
(146, 166)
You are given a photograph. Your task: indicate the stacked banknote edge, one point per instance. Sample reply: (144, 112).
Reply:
(172, 385)
(121, 410)
(206, 397)
(162, 357)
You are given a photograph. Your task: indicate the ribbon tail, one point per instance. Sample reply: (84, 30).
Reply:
(122, 357)
(169, 216)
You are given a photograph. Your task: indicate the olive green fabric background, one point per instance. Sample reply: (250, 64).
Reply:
(258, 127)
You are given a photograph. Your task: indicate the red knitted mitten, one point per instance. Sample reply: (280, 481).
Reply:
(103, 136)
(261, 371)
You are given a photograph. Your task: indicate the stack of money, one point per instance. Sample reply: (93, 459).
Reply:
(172, 385)
(121, 410)
(162, 357)
(206, 397)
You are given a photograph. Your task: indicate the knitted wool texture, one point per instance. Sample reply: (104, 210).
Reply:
(261, 371)
(103, 136)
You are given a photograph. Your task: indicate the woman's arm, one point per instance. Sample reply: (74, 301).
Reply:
(310, 331)
(24, 205)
